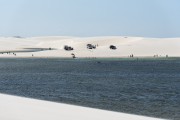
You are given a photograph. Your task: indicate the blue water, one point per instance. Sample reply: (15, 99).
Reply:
(149, 87)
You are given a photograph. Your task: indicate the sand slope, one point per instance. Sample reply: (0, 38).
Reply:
(17, 108)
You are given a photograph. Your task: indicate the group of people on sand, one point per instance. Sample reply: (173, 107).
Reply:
(131, 56)
(155, 56)
(9, 53)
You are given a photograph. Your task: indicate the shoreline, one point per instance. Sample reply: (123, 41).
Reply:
(93, 58)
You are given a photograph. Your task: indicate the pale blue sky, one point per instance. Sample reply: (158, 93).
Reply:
(148, 18)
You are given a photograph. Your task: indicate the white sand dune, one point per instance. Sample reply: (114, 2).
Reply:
(17, 108)
(138, 46)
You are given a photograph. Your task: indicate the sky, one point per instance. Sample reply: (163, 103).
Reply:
(144, 18)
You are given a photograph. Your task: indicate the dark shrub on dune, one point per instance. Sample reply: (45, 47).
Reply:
(90, 46)
(112, 47)
(68, 48)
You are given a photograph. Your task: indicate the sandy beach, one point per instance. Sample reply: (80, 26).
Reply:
(124, 47)
(18, 108)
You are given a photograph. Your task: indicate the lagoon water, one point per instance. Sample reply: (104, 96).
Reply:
(149, 87)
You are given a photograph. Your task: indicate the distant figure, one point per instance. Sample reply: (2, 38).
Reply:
(156, 55)
(32, 55)
(167, 56)
(73, 55)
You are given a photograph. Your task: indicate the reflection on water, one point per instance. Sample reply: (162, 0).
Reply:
(144, 87)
